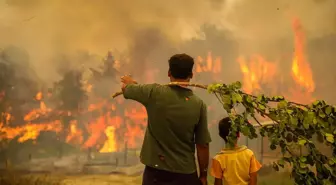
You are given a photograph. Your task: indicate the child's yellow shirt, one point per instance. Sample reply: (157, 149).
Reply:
(234, 166)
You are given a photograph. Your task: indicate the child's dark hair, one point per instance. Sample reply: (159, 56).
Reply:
(224, 127)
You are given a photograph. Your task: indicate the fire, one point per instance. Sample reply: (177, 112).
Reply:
(29, 131)
(75, 134)
(110, 143)
(260, 74)
(301, 70)
(208, 64)
(256, 72)
(110, 124)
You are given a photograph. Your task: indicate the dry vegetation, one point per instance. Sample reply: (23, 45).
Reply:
(267, 176)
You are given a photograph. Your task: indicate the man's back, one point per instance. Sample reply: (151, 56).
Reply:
(176, 120)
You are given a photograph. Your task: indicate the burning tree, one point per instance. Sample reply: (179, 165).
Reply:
(16, 89)
(5, 88)
(71, 96)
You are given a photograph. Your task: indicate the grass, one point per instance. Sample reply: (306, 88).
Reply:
(50, 179)
(267, 176)
(8, 178)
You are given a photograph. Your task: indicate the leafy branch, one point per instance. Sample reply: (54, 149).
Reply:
(294, 126)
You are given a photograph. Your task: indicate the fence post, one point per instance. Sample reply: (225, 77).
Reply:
(126, 152)
(262, 150)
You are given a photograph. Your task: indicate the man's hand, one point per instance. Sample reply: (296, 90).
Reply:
(203, 180)
(127, 79)
(203, 161)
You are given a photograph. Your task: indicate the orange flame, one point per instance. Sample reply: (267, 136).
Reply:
(301, 70)
(258, 73)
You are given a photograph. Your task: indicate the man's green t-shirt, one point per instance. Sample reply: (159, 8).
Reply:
(177, 120)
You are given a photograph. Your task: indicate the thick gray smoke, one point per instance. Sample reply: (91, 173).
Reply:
(49, 28)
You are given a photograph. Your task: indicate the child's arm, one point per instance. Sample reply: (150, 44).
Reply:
(253, 178)
(218, 181)
(254, 168)
(216, 172)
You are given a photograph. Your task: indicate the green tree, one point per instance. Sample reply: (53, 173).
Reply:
(294, 126)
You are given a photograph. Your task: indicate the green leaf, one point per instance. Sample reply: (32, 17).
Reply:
(330, 138)
(306, 125)
(294, 120)
(315, 121)
(321, 114)
(261, 106)
(303, 159)
(281, 163)
(237, 98)
(282, 104)
(328, 110)
(302, 142)
(245, 130)
(237, 85)
(278, 98)
(303, 165)
(226, 99)
(249, 99)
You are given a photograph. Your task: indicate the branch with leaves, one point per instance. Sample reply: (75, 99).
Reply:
(294, 126)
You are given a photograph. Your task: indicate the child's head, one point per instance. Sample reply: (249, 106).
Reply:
(224, 127)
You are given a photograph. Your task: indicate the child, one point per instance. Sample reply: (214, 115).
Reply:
(234, 166)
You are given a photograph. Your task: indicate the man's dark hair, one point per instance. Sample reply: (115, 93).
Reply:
(181, 66)
(224, 127)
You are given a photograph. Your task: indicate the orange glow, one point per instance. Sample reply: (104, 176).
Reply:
(258, 73)
(109, 124)
(301, 70)
(208, 64)
(75, 134)
(110, 143)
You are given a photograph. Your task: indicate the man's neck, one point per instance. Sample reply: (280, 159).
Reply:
(181, 83)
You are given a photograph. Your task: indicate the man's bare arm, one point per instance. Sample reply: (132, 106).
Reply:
(203, 159)
(253, 178)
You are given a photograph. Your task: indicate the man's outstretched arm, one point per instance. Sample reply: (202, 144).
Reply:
(134, 91)
(202, 140)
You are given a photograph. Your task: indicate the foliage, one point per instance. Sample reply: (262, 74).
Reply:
(294, 125)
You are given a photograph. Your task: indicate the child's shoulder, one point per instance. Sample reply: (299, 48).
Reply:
(241, 149)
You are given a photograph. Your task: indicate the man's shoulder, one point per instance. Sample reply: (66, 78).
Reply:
(198, 99)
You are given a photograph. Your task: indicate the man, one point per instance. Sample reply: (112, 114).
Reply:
(177, 121)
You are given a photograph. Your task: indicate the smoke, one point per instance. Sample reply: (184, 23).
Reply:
(46, 28)
(49, 28)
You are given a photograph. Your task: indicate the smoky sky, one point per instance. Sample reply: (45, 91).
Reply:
(53, 27)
